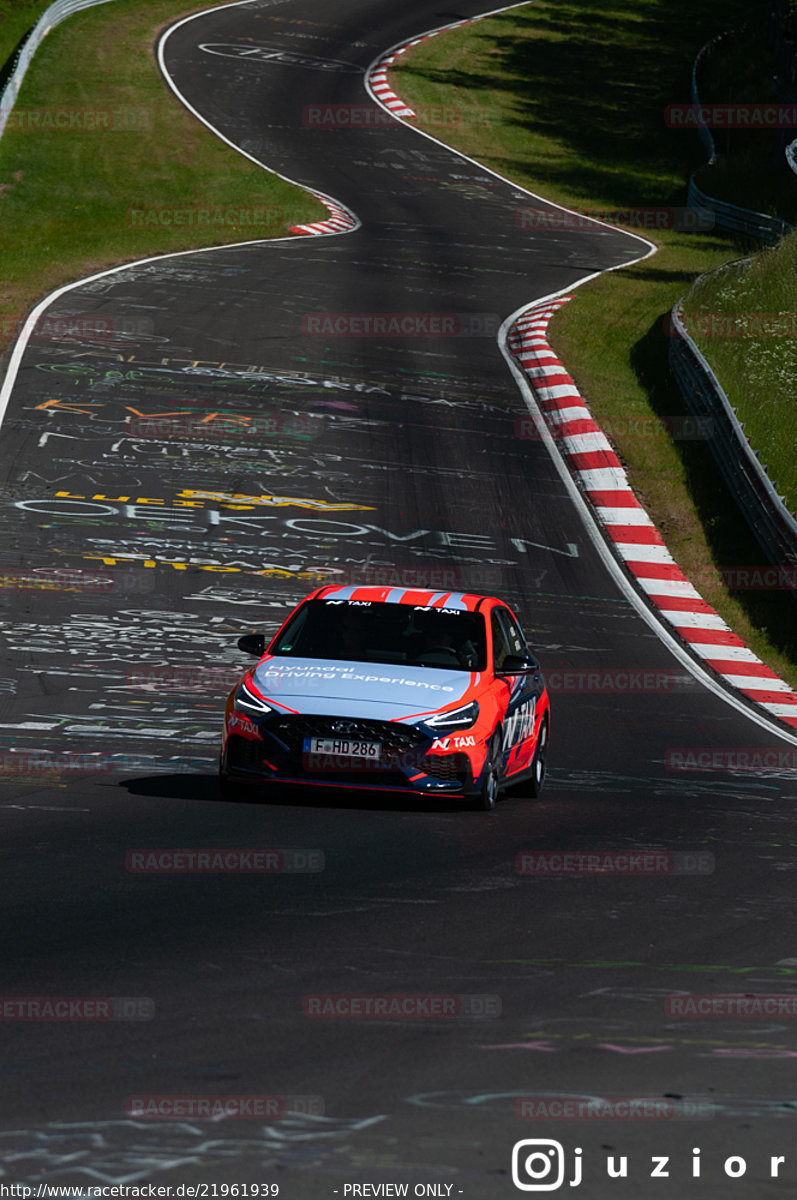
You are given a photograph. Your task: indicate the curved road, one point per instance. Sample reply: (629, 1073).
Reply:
(211, 449)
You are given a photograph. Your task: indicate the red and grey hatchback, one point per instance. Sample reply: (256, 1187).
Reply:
(391, 689)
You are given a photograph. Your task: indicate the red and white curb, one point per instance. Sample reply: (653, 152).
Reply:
(340, 220)
(600, 474)
(376, 75)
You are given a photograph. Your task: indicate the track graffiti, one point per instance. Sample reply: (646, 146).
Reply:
(126, 1151)
(190, 498)
(199, 371)
(279, 57)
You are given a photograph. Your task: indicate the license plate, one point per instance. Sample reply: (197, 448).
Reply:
(343, 747)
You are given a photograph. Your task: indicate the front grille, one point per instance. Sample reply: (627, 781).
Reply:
(245, 756)
(395, 738)
(446, 767)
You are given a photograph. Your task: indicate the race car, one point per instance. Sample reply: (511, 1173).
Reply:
(390, 689)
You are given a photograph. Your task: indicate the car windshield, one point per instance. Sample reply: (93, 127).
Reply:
(365, 631)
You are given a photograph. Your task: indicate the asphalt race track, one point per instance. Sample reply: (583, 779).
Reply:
(208, 453)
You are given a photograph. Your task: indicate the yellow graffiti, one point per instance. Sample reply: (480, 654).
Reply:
(233, 499)
(189, 498)
(319, 575)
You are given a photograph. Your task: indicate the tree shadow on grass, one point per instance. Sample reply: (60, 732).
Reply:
(598, 83)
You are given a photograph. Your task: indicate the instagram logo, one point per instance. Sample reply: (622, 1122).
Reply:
(538, 1165)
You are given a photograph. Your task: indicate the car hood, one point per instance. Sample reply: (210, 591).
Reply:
(356, 689)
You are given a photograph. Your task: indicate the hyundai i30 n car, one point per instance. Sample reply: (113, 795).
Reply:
(391, 689)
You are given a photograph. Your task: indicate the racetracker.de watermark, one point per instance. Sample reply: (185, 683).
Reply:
(373, 116)
(184, 678)
(731, 1005)
(342, 759)
(188, 426)
(216, 217)
(619, 679)
(737, 758)
(473, 580)
(731, 116)
(546, 1107)
(74, 579)
(400, 324)
(206, 861)
(19, 762)
(221, 1108)
(572, 863)
(748, 578)
(65, 327)
(63, 118)
(679, 428)
(406, 1007)
(686, 220)
(734, 325)
(76, 1008)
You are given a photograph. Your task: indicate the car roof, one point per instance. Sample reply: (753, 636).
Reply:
(464, 601)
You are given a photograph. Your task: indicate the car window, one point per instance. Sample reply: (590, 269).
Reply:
(500, 643)
(361, 631)
(515, 639)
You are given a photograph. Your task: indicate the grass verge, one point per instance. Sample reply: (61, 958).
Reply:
(745, 322)
(69, 198)
(568, 99)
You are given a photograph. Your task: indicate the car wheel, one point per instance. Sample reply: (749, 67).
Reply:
(537, 779)
(491, 781)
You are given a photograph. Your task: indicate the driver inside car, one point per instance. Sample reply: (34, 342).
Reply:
(436, 643)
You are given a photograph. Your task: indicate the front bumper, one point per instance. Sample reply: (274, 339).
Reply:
(274, 750)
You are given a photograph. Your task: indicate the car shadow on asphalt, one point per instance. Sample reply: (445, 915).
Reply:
(205, 789)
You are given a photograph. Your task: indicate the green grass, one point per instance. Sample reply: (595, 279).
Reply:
(570, 96)
(568, 99)
(67, 197)
(758, 373)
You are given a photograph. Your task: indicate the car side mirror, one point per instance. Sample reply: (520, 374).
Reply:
(253, 643)
(515, 664)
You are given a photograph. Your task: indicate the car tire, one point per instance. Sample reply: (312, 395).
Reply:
(538, 763)
(491, 776)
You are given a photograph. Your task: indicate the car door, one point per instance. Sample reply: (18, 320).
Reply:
(523, 694)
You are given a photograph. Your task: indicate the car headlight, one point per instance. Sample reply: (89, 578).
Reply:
(455, 718)
(253, 705)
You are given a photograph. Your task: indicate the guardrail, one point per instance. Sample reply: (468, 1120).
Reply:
(739, 220)
(773, 526)
(728, 216)
(52, 16)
